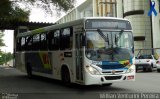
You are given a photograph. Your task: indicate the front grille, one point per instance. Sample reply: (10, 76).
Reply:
(113, 77)
(142, 64)
(111, 71)
(113, 66)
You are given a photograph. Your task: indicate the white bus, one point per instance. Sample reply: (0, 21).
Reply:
(88, 51)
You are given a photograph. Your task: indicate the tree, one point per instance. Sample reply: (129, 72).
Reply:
(50, 5)
(5, 57)
(1, 42)
(1, 39)
(10, 11)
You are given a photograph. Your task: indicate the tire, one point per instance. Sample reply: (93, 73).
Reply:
(65, 75)
(144, 69)
(109, 84)
(136, 70)
(29, 70)
(150, 69)
(158, 70)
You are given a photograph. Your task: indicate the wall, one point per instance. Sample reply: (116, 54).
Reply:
(156, 27)
(141, 22)
(92, 8)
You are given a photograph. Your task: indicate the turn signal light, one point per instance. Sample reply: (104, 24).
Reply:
(126, 63)
(130, 77)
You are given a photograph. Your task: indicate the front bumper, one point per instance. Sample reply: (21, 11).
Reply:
(141, 66)
(105, 79)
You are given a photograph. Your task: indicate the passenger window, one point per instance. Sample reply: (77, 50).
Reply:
(36, 42)
(23, 43)
(56, 40)
(29, 41)
(18, 44)
(50, 39)
(66, 38)
(43, 40)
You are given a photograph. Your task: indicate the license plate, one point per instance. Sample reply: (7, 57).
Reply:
(139, 67)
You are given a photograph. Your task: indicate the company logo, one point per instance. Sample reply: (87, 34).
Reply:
(152, 8)
(113, 72)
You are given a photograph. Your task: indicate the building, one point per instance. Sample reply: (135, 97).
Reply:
(91, 8)
(156, 26)
(146, 29)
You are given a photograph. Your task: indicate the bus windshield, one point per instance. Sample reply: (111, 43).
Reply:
(109, 45)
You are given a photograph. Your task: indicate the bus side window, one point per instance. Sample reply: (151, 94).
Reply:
(43, 42)
(56, 40)
(29, 40)
(66, 38)
(36, 42)
(18, 44)
(50, 40)
(23, 43)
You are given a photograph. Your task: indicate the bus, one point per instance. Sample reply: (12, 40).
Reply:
(87, 51)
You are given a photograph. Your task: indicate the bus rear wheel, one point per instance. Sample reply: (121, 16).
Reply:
(29, 70)
(65, 76)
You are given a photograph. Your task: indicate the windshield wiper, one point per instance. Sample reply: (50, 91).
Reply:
(117, 38)
(103, 36)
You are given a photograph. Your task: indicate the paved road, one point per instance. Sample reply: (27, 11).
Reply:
(13, 83)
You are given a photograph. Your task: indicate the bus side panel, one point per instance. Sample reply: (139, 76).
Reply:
(67, 60)
(39, 61)
(55, 60)
(20, 61)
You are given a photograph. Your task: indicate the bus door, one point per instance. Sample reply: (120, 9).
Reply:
(79, 59)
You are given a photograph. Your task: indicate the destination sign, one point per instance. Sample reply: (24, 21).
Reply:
(107, 24)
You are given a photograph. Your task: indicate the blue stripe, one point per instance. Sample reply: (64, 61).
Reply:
(112, 65)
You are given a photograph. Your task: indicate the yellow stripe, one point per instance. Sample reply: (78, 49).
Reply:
(40, 30)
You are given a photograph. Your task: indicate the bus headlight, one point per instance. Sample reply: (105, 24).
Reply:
(92, 70)
(130, 70)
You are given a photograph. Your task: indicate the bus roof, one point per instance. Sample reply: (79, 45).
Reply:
(105, 18)
(67, 24)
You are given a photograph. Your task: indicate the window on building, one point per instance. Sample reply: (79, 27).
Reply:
(106, 8)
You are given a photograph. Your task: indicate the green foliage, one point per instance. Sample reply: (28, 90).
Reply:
(1, 40)
(10, 11)
(49, 5)
(5, 57)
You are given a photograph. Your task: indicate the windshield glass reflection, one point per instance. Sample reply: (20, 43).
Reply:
(109, 46)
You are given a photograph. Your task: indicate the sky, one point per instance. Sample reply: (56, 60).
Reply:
(36, 15)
